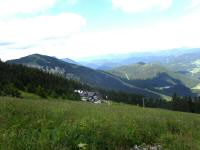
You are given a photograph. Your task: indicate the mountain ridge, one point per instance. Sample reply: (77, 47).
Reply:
(117, 60)
(83, 74)
(155, 77)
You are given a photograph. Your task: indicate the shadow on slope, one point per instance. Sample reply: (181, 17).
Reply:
(163, 83)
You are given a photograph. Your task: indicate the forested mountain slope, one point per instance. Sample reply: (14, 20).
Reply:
(16, 78)
(83, 74)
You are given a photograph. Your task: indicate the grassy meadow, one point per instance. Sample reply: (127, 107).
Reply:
(37, 124)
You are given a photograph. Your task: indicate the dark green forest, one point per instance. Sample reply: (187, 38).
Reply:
(178, 103)
(16, 78)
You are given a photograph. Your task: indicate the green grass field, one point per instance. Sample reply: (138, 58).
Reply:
(27, 124)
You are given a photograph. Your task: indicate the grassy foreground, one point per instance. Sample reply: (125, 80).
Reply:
(63, 125)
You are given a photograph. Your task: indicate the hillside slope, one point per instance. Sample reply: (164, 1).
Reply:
(187, 64)
(155, 77)
(41, 124)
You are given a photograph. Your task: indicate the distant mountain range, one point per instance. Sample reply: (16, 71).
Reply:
(151, 80)
(182, 60)
(85, 75)
(155, 77)
(185, 61)
(187, 64)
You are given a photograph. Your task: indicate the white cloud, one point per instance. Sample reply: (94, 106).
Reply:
(11, 7)
(38, 33)
(195, 3)
(133, 6)
(41, 27)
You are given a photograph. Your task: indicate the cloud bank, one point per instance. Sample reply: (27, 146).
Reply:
(40, 27)
(11, 7)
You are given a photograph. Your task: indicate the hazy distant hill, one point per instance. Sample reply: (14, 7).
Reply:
(181, 59)
(80, 73)
(155, 77)
(187, 64)
(69, 61)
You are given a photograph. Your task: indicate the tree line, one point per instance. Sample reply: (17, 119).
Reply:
(177, 103)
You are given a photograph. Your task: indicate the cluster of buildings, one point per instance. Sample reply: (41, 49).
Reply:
(88, 96)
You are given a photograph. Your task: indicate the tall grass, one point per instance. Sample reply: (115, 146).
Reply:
(47, 124)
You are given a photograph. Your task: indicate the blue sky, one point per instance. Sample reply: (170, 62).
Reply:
(81, 28)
